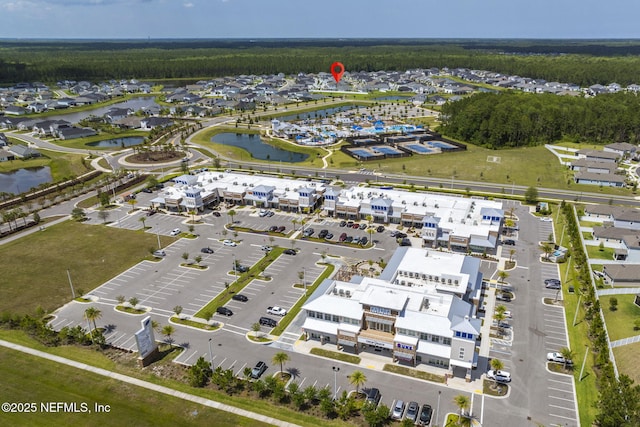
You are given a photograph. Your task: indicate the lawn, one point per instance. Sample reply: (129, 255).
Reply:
(594, 252)
(35, 266)
(63, 165)
(620, 322)
(627, 360)
(26, 378)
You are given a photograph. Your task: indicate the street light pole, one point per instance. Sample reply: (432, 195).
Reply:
(210, 354)
(336, 369)
(159, 245)
(304, 279)
(584, 362)
(438, 407)
(73, 293)
(235, 272)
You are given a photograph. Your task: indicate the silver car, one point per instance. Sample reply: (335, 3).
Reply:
(398, 410)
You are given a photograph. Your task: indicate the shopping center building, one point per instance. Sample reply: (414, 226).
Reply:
(420, 310)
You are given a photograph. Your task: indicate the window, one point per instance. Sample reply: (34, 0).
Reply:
(458, 333)
(461, 355)
(435, 338)
(335, 318)
(446, 341)
(311, 314)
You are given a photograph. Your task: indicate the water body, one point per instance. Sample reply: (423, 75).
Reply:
(127, 141)
(258, 149)
(23, 180)
(316, 114)
(134, 103)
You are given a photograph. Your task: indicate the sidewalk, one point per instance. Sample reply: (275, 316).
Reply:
(376, 363)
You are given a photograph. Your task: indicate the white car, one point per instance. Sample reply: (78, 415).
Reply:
(175, 232)
(159, 253)
(557, 357)
(508, 314)
(266, 248)
(228, 242)
(546, 219)
(500, 376)
(278, 311)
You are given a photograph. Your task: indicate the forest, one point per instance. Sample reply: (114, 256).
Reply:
(515, 119)
(583, 63)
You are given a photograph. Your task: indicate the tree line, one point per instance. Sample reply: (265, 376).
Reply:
(52, 61)
(515, 119)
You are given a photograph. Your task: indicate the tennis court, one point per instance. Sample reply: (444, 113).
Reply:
(419, 148)
(441, 145)
(386, 150)
(361, 152)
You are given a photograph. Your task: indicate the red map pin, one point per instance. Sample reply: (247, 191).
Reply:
(337, 69)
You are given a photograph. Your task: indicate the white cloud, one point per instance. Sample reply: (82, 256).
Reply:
(188, 4)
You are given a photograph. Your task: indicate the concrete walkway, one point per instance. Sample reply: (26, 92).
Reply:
(150, 386)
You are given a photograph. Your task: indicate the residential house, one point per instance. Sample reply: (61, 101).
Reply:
(75, 132)
(149, 123)
(602, 179)
(623, 149)
(24, 152)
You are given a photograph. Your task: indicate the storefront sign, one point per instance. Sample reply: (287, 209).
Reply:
(380, 310)
(375, 343)
(404, 346)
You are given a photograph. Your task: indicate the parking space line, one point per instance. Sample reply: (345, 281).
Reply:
(186, 361)
(221, 362)
(560, 416)
(240, 370)
(561, 398)
(561, 407)
(559, 381)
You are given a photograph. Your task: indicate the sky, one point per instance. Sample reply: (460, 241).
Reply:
(124, 19)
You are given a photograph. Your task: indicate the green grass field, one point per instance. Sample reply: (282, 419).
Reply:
(594, 252)
(35, 266)
(627, 360)
(26, 378)
(620, 322)
(63, 165)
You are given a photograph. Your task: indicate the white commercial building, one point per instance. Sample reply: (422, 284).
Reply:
(421, 309)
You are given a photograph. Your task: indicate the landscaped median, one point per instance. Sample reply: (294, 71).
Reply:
(243, 280)
(413, 373)
(343, 357)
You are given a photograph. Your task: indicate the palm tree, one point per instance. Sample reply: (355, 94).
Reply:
(499, 316)
(496, 365)
(462, 402)
(231, 213)
(132, 202)
(512, 252)
(142, 220)
(134, 301)
(167, 331)
(280, 358)
(502, 276)
(256, 329)
(567, 354)
(177, 310)
(357, 378)
(547, 248)
(92, 314)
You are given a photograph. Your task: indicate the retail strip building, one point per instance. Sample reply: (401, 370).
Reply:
(421, 309)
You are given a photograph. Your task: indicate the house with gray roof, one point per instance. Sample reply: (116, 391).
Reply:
(621, 148)
(24, 152)
(75, 132)
(622, 274)
(602, 179)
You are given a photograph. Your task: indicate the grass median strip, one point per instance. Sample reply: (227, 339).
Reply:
(414, 373)
(349, 358)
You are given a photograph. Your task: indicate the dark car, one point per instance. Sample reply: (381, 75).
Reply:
(281, 229)
(308, 232)
(147, 190)
(349, 239)
(400, 235)
(240, 297)
(206, 250)
(289, 252)
(343, 223)
(412, 411)
(273, 228)
(151, 212)
(509, 242)
(425, 415)
(323, 233)
(373, 396)
(215, 213)
(362, 226)
(551, 281)
(553, 285)
(342, 237)
(364, 241)
(267, 321)
(380, 228)
(242, 268)
(258, 370)
(405, 242)
(224, 311)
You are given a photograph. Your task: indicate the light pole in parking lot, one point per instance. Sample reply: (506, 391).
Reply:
(304, 279)
(438, 407)
(159, 245)
(235, 272)
(336, 369)
(210, 354)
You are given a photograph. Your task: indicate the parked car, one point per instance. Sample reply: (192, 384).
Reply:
(553, 285)
(380, 228)
(224, 311)
(503, 297)
(343, 223)
(258, 370)
(281, 229)
(270, 214)
(509, 242)
(546, 219)
(151, 212)
(228, 242)
(175, 232)
(266, 248)
(398, 410)
(273, 228)
(356, 240)
(405, 242)
(328, 236)
(267, 321)
(241, 268)
(147, 190)
(412, 411)
(240, 297)
(500, 376)
(323, 233)
(342, 237)
(308, 232)
(364, 241)
(349, 239)
(373, 396)
(206, 250)
(557, 357)
(363, 226)
(215, 213)
(425, 415)
(356, 226)
(289, 252)
(278, 311)
(159, 253)
(349, 224)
